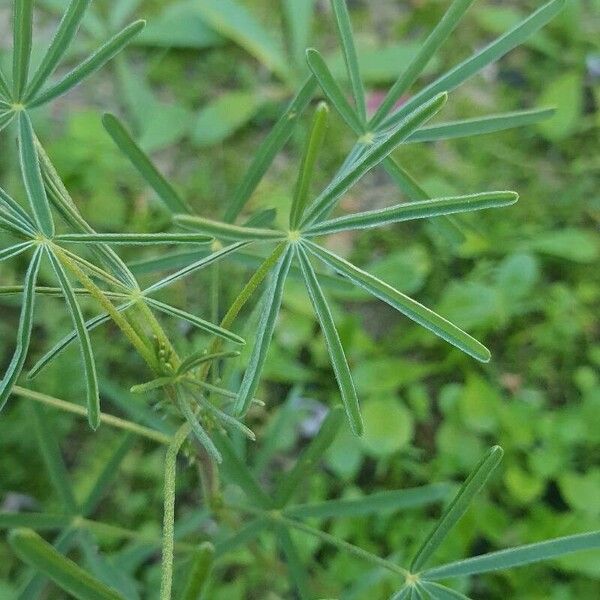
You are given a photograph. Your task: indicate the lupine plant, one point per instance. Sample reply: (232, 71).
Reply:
(199, 415)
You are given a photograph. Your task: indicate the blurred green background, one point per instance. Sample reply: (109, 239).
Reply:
(524, 280)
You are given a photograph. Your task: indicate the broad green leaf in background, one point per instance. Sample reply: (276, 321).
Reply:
(32, 549)
(225, 115)
(389, 426)
(566, 93)
(572, 244)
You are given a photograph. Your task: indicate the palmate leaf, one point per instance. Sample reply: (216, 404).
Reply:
(24, 331)
(32, 177)
(134, 238)
(439, 592)
(491, 53)
(346, 37)
(65, 34)
(334, 345)
(36, 552)
(420, 60)
(22, 34)
(270, 147)
(457, 507)
(424, 209)
(406, 305)
(85, 344)
(96, 61)
(517, 557)
(138, 158)
(271, 303)
(375, 153)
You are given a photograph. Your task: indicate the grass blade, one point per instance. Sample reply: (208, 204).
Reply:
(372, 504)
(38, 553)
(426, 51)
(457, 507)
(22, 33)
(404, 304)
(271, 303)
(313, 146)
(234, 21)
(376, 153)
(334, 345)
(227, 231)
(272, 144)
(85, 344)
(142, 163)
(310, 457)
(32, 176)
(346, 37)
(15, 250)
(134, 238)
(199, 572)
(96, 61)
(423, 209)
(197, 321)
(517, 557)
(332, 90)
(65, 34)
(481, 125)
(24, 332)
(195, 266)
(491, 53)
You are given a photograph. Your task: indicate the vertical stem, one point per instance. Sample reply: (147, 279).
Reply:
(166, 581)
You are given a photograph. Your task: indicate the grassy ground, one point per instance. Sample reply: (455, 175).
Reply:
(523, 280)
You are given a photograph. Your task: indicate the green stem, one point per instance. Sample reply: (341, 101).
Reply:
(166, 582)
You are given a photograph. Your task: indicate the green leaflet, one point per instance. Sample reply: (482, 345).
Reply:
(90, 65)
(234, 21)
(481, 125)
(309, 457)
(197, 321)
(440, 592)
(85, 344)
(12, 209)
(201, 356)
(406, 305)
(423, 209)
(226, 231)
(65, 33)
(138, 158)
(295, 566)
(4, 89)
(313, 146)
(481, 59)
(333, 91)
(346, 37)
(298, 16)
(32, 177)
(375, 153)
(134, 238)
(436, 38)
(271, 302)
(6, 118)
(334, 345)
(270, 147)
(457, 507)
(36, 552)
(199, 571)
(516, 557)
(15, 250)
(22, 33)
(24, 332)
(376, 503)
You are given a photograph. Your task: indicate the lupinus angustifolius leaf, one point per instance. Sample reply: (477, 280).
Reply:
(227, 231)
(6, 118)
(199, 571)
(5, 94)
(22, 34)
(88, 66)
(12, 208)
(334, 345)
(201, 356)
(222, 416)
(314, 143)
(439, 592)
(134, 238)
(346, 37)
(85, 344)
(32, 176)
(406, 305)
(142, 163)
(457, 507)
(65, 34)
(24, 331)
(15, 250)
(423, 209)
(36, 552)
(271, 303)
